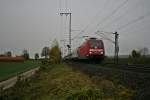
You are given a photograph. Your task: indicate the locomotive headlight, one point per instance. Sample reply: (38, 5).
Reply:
(91, 50)
(101, 52)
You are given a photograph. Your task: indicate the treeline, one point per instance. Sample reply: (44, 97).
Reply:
(51, 55)
(48, 54)
(136, 57)
(8, 54)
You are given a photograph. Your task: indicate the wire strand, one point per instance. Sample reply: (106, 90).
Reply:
(111, 14)
(66, 5)
(92, 21)
(133, 21)
(122, 16)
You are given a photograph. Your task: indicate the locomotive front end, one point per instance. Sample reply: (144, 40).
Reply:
(96, 49)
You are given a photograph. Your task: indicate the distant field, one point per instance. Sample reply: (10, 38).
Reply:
(8, 69)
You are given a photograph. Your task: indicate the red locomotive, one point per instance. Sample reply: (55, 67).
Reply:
(92, 48)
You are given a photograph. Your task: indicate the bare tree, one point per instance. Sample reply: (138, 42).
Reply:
(45, 52)
(36, 56)
(8, 54)
(144, 51)
(135, 54)
(25, 54)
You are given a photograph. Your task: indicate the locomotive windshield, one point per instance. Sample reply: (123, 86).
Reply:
(95, 43)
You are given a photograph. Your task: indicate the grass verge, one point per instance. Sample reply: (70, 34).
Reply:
(60, 82)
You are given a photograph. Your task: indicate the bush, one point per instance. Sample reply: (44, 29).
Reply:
(55, 53)
(86, 94)
(136, 58)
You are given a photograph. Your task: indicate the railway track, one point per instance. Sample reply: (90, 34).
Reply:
(137, 68)
(136, 77)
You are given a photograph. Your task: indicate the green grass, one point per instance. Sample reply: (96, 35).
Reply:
(61, 82)
(9, 69)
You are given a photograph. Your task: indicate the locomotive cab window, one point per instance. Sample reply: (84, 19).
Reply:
(95, 44)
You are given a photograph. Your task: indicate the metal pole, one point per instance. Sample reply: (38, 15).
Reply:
(70, 33)
(116, 48)
(116, 51)
(69, 48)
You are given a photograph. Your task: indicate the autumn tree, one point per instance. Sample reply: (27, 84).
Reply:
(55, 53)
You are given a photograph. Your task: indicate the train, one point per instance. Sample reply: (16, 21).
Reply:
(91, 49)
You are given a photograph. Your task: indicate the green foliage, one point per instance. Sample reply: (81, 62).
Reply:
(136, 58)
(60, 82)
(55, 53)
(144, 60)
(86, 94)
(110, 89)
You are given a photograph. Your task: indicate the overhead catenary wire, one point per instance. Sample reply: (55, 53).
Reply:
(123, 15)
(103, 35)
(66, 5)
(92, 21)
(137, 27)
(122, 26)
(133, 21)
(95, 17)
(63, 7)
(106, 38)
(60, 6)
(61, 21)
(111, 14)
(65, 28)
(105, 18)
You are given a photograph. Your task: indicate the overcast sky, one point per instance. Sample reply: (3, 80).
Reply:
(33, 24)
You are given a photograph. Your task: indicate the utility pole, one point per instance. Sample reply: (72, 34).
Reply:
(64, 45)
(116, 45)
(69, 46)
(116, 48)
